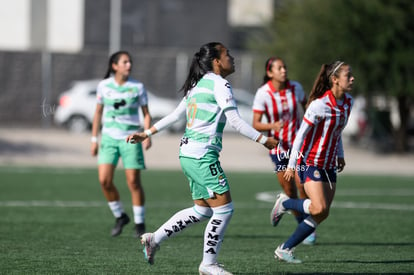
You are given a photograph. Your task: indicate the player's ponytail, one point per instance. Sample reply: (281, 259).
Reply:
(323, 81)
(201, 64)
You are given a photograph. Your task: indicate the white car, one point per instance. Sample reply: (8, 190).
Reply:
(77, 107)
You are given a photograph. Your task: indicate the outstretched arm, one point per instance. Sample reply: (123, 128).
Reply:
(248, 131)
(164, 123)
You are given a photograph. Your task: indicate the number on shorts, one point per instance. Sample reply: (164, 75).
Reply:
(215, 168)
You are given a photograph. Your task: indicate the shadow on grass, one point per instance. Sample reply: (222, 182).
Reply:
(363, 244)
(375, 262)
(319, 243)
(314, 273)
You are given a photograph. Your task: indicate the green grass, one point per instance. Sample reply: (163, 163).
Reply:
(56, 221)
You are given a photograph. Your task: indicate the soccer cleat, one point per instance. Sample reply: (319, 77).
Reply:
(278, 209)
(139, 230)
(119, 224)
(213, 269)
(150, 247)
(286, 255)
(310, 240)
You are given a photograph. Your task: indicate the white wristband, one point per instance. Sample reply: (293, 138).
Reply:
(262, 139)
(94, 139)
(148, 132)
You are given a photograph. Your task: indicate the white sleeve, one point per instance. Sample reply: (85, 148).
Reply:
(224, 95)
(314, 113)
(143, 96)
(297, 144)
(176, 115)
(99, 95)
(259, 102)
(240, 125)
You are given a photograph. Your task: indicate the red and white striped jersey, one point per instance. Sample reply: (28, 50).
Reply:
(318, 141)
(281, 105)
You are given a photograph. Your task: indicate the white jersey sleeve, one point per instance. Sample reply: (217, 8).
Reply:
(314, 113)
(99, 95)
(259, 101)
(224, 96)
(240, 125)
(143, 97)
(176, 115)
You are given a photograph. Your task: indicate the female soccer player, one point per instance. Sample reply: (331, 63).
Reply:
(282, 102)
(119, 98)
(208, 102)
(318, 142)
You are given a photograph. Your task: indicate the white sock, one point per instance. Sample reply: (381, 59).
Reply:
(181, 220)
(311, 222)
(214, 233)
(306, 204)
(139, 213)
(116, 208)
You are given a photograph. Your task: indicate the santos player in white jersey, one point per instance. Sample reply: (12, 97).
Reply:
(207, 104)
(119, 99)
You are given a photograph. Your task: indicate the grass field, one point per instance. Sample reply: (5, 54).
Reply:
(55, 221)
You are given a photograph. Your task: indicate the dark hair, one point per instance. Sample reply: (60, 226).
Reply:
(113, 59)
(268, 67)
(323, 81)
(201, 64)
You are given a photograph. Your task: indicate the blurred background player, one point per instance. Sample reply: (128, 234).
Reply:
(319, 142)
(282, 102)
(207, 104)
(119, 98)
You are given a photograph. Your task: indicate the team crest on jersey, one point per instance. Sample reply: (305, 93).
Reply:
(312, 116)
(318, 118)
(222, 180)
(107, 93)
(316, 174)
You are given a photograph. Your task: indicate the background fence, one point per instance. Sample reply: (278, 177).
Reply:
(32, 81)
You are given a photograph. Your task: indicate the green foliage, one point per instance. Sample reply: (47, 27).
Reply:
(56, 221)
(376, 37)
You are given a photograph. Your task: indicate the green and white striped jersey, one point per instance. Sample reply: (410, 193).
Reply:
(205, 107)
(121, 106)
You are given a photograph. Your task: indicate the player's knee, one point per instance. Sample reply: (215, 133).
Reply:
(134, 185)
(320, 210)
(106, 183)
(227, 209)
